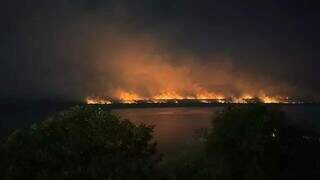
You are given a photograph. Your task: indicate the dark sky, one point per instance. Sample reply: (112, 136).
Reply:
(46, 46)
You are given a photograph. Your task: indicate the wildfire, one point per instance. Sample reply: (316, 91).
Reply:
(127, 97)
(97, 100)
(202, 94)
(269, 99)
(143, 71)
(168, 95)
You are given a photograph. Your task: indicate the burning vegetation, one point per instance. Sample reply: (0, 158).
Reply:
(172, 97)
(143, 71)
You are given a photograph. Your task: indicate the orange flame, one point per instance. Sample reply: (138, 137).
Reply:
(168, 95)
(96, 100)
(128, 97)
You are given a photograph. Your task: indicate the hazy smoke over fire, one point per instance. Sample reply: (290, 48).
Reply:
(143, 68)
(76, 52)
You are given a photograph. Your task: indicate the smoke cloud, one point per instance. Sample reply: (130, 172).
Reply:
(73, 50)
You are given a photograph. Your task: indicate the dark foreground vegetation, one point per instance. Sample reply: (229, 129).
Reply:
(247, 142)
(80, 143)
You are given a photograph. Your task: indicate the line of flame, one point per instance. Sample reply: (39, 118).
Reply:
(205, 97)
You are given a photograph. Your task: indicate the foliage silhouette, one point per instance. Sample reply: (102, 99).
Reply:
(250, 142)
(84, 142)
(244, 142)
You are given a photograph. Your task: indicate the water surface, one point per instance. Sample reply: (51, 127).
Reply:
(175, 128)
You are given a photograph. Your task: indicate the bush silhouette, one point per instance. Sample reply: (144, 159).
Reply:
(251, 142)
(254, 142)
(244, 142)
(81, 143)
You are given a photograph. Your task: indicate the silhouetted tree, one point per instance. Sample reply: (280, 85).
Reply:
(244, 142)
(81, 143)
(300, 154)
(254, 142)
(251, 142)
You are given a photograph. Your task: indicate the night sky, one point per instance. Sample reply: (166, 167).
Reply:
(54, 49)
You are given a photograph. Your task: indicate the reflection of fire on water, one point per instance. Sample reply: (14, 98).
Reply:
(124, 97)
